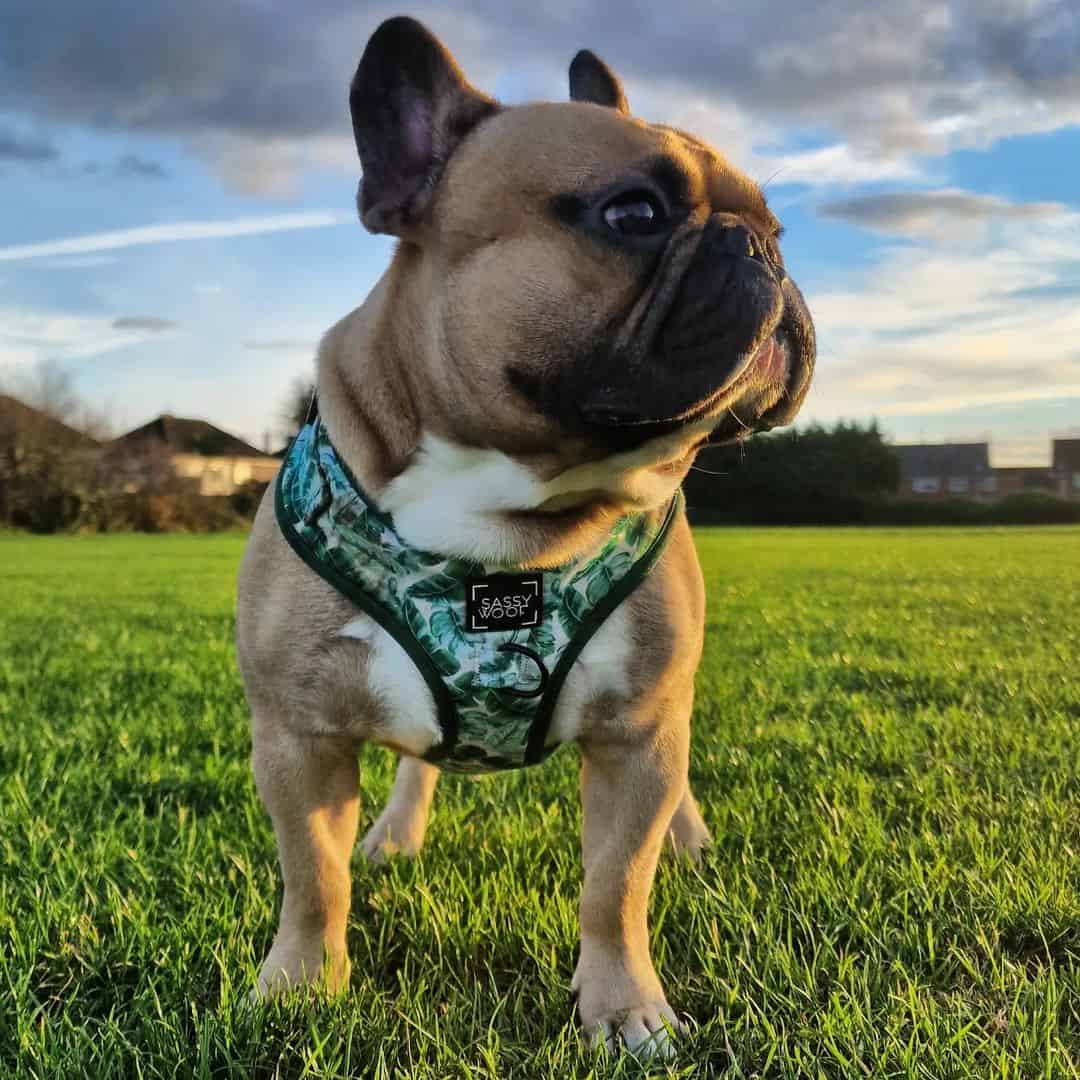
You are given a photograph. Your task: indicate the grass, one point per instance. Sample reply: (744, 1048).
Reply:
(886, 747)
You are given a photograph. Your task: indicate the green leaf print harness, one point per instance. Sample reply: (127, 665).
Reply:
(494, 648)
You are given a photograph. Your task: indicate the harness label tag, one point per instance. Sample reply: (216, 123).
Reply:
(504, 602)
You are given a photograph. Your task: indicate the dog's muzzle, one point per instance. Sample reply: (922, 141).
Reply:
(720, 331)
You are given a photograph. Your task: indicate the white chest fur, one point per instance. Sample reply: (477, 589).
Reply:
(450, 498)
(406, 714)
(406, 709)
(602, 668)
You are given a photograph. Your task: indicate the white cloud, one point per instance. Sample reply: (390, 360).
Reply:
(836, 164)
(930, 330)
(755, 144)
(272, 167)
(175, 231)
(29, 336)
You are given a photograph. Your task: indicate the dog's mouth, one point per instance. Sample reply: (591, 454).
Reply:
(763, 386)
(749, 392)
(771, 364)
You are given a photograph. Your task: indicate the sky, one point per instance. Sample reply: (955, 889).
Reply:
(177, 189)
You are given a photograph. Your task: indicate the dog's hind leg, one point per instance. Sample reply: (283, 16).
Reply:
(688, 834)
(309, 784)
(399, 829)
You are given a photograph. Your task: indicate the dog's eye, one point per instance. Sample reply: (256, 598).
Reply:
(635, 213)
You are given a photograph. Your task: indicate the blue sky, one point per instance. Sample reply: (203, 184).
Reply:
(177, 226)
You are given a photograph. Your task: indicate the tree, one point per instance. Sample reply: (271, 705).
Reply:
(50, 449)
(50, 389)
(297, 402)
(813, 475)
(46, 387)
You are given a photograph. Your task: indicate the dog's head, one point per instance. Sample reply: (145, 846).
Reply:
(576, 277)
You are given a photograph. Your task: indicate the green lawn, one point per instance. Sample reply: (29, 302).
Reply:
(886, 747)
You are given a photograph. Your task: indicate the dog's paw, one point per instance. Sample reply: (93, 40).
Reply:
(621, 1002)
(646, 1031)
(392, 834)
(291, 968)
(687, 837)
(687, 840)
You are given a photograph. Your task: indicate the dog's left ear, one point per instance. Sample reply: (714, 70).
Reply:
(411, 106)
(592, 80)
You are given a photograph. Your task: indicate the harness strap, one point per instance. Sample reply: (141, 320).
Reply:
(305, 527)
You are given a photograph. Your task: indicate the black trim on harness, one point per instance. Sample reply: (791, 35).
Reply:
(536, 750)
(395, 627)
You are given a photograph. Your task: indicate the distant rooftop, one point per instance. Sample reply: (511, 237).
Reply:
(1040, 471)
(186, 436)
(933, 459)
(15, 416)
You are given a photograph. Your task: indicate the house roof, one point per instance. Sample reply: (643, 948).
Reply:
(1067, 454)
(1042, 472)
(943, 459)
(186, 436)
(17, 417)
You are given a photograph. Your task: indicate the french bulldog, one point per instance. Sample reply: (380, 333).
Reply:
(578, 301)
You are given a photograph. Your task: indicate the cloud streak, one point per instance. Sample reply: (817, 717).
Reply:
(285, 345)
(134, 165)
(153, 324)
(920, 212)
(26, 149)
(173, 233)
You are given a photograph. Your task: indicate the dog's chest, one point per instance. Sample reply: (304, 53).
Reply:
(406, 718)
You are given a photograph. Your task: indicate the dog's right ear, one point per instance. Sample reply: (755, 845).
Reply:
(592, 80)
(411, 106)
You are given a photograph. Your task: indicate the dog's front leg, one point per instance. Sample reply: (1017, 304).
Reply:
(629, 794)
(309, 784)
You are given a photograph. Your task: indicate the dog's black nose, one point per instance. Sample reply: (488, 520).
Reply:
(734, 238)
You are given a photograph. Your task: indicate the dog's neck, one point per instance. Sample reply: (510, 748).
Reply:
(366, 395)
(472, 502)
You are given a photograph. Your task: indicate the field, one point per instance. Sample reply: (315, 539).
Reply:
(886, 748)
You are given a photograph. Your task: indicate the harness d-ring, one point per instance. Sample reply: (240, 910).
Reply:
(521, 650)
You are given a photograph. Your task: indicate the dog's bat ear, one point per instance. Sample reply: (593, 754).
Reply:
(411, 106)
(592, 80)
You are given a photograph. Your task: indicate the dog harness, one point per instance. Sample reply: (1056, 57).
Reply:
(494, 647)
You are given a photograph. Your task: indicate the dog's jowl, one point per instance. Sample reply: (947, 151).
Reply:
(476, 549)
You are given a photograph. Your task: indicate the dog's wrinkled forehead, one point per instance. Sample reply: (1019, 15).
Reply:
(518, 160)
